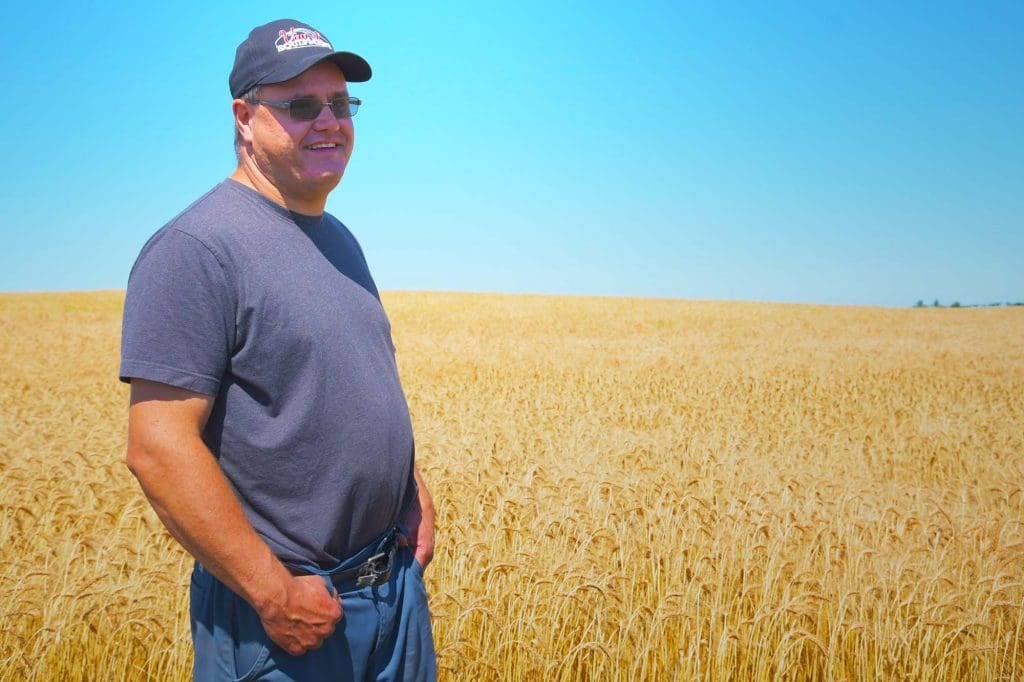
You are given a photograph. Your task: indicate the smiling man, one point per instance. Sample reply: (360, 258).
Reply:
(267, 425)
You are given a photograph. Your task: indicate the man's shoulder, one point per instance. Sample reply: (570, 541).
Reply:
(205, 225)
(222, 220)
(214, 213)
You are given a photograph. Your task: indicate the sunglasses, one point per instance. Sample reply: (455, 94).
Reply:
(308, 108)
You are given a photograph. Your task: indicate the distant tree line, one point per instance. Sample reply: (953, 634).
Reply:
(956, 304)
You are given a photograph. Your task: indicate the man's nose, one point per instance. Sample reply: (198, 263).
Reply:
(326, 120)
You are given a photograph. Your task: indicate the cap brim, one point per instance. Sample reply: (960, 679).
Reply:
(353, 67)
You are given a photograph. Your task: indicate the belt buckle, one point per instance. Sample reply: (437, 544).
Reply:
(376, 570)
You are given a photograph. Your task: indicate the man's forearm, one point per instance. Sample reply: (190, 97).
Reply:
(425, 499)
(420, 522)
(189, 493)
(187, 489)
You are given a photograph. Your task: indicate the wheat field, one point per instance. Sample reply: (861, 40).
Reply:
(627, 490)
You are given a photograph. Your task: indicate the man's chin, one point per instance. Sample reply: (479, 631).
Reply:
(326, 181)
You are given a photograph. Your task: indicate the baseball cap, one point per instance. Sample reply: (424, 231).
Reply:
(281, 50)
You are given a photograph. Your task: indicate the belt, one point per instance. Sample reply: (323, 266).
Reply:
(374, 571)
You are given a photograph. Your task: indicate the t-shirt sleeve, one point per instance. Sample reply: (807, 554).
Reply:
(179, 315)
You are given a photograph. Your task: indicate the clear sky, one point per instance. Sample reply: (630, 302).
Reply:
(858, 153)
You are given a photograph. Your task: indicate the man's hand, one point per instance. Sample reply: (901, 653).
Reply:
(420, 522)
(304, 616)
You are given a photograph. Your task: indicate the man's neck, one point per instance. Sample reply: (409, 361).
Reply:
(255, 180)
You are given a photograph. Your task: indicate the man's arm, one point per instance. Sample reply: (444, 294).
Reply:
(188, 491)
(420, 522)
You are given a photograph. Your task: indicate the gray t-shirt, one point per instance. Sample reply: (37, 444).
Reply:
(276, 316)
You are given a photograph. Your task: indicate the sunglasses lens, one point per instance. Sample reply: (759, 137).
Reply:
(343, 107)
(305, 108)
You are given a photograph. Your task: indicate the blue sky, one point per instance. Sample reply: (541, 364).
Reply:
(867, 153)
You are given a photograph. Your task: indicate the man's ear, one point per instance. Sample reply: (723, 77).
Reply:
(243, 119)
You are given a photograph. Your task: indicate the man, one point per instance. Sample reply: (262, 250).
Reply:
(267, 424)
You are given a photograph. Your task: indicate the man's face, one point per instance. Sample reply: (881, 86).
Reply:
(304, 160)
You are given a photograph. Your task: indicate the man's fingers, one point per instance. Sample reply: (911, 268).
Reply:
(336, 596)
(308, 617)
(331, 591)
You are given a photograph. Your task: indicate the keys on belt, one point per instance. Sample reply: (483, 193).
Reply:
(374, 571)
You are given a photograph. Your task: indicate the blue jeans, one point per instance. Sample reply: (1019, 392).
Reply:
(384, 633)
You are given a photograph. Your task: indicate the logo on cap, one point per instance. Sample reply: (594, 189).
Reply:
(297, 37)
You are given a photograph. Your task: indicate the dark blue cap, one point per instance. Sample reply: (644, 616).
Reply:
(283, 49)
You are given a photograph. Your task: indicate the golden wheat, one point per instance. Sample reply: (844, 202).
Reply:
(626, 489)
